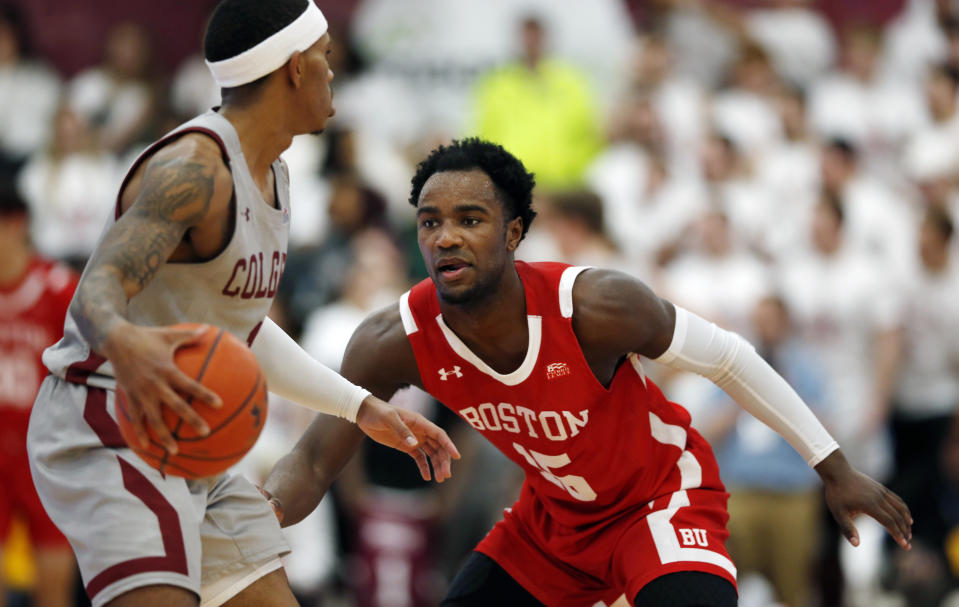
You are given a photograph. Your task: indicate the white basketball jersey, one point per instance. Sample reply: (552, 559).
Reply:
(234, 290)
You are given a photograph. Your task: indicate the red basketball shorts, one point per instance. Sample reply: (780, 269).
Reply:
(594, 565)
(18, 497)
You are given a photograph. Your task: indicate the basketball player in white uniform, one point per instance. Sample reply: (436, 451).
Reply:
(200, 234)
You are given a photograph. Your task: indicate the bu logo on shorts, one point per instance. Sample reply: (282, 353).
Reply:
(444, 374)
(694, 537)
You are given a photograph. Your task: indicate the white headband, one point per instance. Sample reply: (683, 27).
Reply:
(271, 53)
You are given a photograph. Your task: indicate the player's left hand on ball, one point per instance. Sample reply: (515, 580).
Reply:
(850, 493)
(410, 433)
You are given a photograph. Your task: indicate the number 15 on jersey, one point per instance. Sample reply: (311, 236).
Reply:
(574, 485)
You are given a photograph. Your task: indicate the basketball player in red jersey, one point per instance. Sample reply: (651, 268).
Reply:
(34, 295)
(200, 235)
(621, 495)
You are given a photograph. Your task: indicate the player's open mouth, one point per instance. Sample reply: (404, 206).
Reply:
(453, 269)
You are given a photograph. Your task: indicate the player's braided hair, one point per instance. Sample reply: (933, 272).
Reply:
(239, 25)
(513, 182)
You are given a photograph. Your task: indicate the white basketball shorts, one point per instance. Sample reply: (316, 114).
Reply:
(129, 525)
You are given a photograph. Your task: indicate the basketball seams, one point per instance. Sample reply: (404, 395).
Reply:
(246, 401)
(199, 378)
(179, 423)
(163, 460)
(209, 356)
(197, 457)
(122, 410)
(229, 369)
(172, 465)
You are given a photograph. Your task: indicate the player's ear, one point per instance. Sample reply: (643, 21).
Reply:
(514, 233)
(294, 69)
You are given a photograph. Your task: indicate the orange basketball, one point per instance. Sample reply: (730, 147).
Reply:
(224, 364)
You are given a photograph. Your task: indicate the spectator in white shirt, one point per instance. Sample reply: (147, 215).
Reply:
(678, 101)
(915, 39)
(731, 181)
(744, 111)
(646, 205)
(29, 93)
(575, 221)
(931, 161)
(876, 221)
(857, 104)
(718, 279)
(193, 90)
(798, 38)
(789, 172)
(71, 188)
(845, 313)
(118, 97)
(842, 305)
(925, 403)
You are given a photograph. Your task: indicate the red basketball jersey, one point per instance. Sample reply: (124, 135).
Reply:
(31, 319)
(589, 452)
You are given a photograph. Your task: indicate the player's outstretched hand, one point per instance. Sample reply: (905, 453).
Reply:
(410, 433)
(142, 360)
(850, 493)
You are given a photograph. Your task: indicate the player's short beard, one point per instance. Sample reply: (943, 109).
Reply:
(468, 298)
(483, 290)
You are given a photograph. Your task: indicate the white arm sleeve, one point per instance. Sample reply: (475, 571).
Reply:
(295, 375)
(733, 364)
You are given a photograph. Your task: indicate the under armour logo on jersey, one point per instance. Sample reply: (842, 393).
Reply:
(444, 373)
(246, 213)
(554, 370)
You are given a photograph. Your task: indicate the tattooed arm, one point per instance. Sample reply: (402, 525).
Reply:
(176, 206)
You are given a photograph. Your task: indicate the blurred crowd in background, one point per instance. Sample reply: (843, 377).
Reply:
(786, 168)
